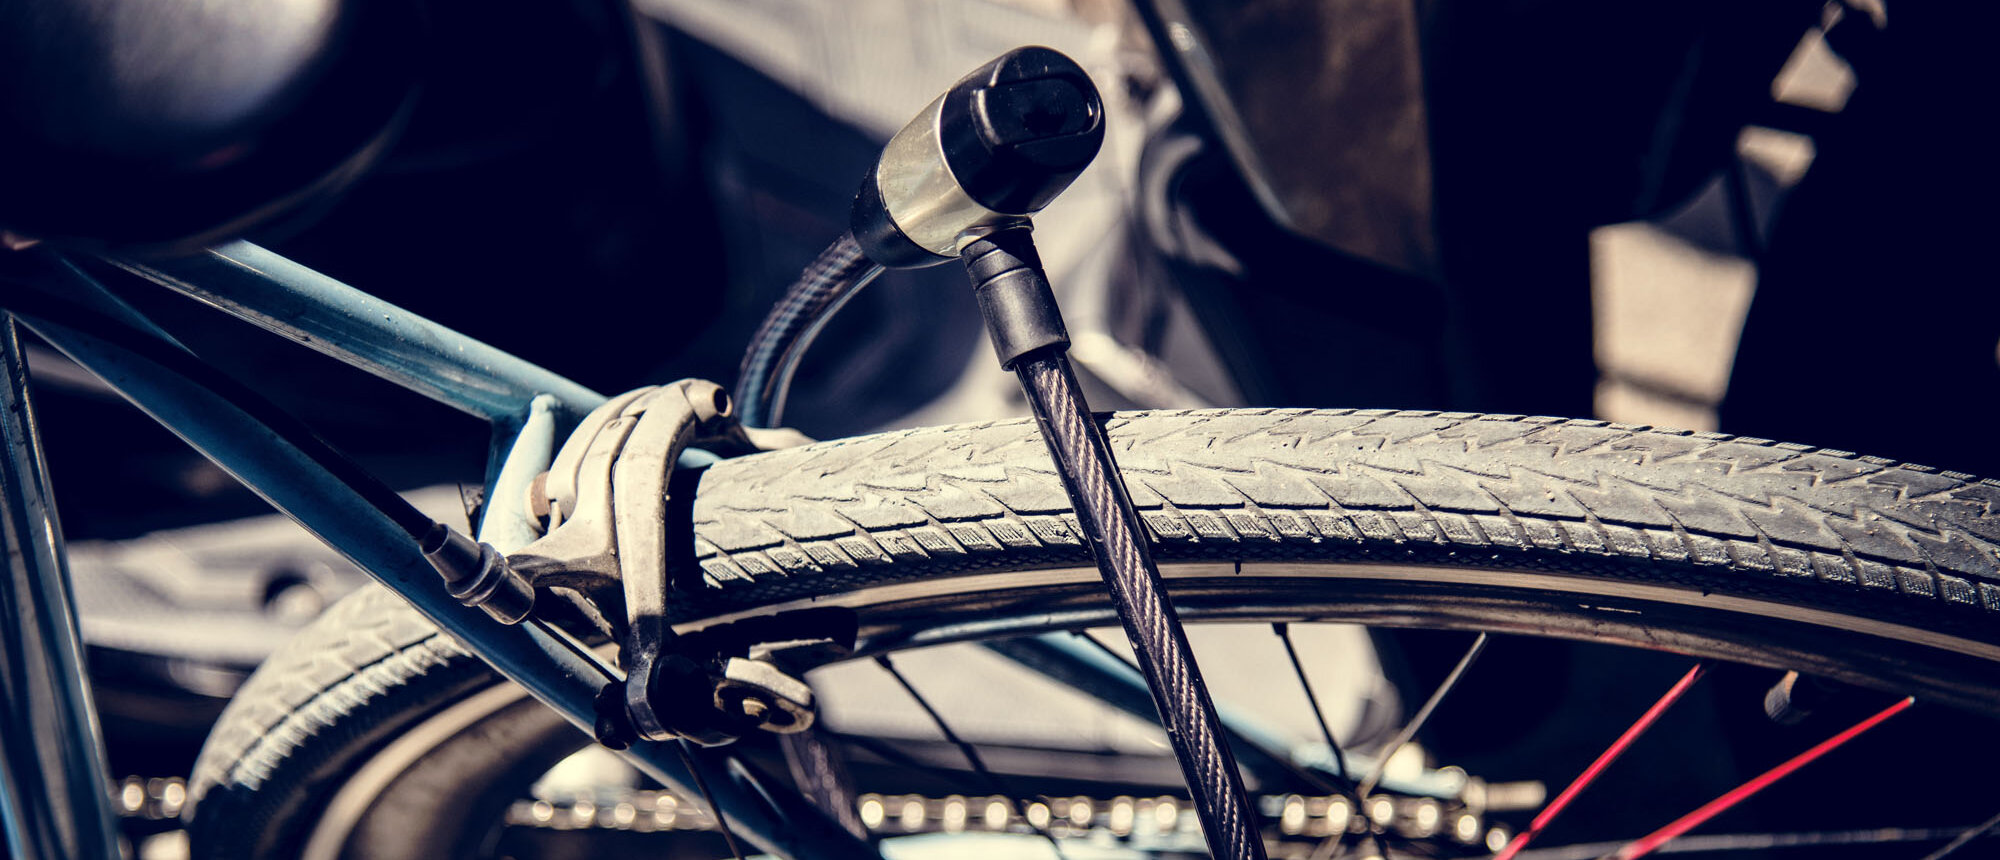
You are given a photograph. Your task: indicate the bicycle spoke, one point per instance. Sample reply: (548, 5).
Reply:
(1284, 632)
(1736, 843)
(1648, 843)
(701, 783)
(1346, 786)
(1247, 749)
(1410, 729)
(1965, 838)
(972, 758)
(1604, 760)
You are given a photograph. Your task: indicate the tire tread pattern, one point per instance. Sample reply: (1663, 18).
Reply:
(320, 699)
(1262, 480)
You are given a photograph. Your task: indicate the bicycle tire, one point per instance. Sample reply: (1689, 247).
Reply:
(1856, 567)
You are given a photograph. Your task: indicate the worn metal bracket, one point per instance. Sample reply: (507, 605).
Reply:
(606, 500)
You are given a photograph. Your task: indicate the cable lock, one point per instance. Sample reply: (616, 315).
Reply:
(962, 180)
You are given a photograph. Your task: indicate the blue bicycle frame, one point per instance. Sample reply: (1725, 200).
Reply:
(53, 798)
(53, 793)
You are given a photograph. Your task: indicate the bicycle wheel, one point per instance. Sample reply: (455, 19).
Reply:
(1848, 567)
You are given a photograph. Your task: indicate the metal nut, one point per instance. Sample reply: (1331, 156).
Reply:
(762, 692)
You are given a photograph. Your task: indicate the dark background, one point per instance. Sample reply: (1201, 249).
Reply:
(540, 201)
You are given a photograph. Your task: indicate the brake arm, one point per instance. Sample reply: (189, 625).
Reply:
(673, 417)
(607, 501)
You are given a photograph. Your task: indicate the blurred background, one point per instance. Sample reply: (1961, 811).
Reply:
(1759, 218)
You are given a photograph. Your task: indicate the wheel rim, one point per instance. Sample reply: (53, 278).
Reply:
(1878, 653)
(915, 614)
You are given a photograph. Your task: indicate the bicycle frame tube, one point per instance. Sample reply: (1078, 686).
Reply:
(54, 791)
(520, 452)
(302, 305)
(550, 669)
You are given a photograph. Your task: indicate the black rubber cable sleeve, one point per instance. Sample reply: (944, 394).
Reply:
(1014, 294)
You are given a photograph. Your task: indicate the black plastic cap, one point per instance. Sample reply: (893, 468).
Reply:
(1014, 295)
(1018, 130)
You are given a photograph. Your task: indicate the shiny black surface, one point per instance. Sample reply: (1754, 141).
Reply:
(164, 125)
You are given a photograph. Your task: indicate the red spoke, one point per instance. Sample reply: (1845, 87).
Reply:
(1738, 794)
(1604, 760)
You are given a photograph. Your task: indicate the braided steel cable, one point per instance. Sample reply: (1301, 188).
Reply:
(1028, 334)
(1114, 533)
(765, 377)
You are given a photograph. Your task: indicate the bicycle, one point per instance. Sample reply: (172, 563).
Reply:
(1578, 526)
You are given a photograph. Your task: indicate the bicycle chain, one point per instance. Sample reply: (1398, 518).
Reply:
(1292, 824)
(154, 799)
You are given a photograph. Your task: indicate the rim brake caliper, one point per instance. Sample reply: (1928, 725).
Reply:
(607, 502)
